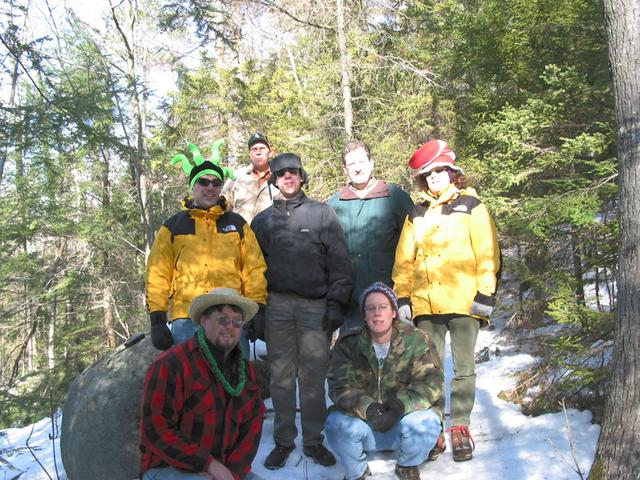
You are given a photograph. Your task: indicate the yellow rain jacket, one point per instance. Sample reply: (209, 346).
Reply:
(197, 250)
(447, 252)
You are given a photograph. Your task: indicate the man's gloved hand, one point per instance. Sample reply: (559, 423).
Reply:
(404, 310)
(395, 408)
(482, 305)
(333, 317)
(374, 414)
(160, 332)
(255, 327)
(379, 417)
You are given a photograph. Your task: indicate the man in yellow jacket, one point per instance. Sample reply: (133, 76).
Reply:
(198, 249)
(445, 275)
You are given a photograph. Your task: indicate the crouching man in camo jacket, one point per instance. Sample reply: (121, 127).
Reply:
(383, 379)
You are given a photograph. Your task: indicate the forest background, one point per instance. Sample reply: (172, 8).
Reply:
(520, 89)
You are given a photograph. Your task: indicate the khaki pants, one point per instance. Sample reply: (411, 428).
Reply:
(297, 347)
(464, 333)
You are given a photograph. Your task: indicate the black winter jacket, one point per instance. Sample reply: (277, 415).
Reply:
(305, 249)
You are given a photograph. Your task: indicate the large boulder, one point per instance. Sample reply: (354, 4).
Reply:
(101, 414)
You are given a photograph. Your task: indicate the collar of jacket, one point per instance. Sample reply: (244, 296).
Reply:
(381, 189)
(396, 346)
(292, 203)
(196, 212)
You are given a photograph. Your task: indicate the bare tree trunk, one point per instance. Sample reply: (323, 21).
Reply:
(345, 67)
(51, 334)
(10, 135)
(12, 96)
(23, 351)
(32, 352)
(296, 77)
(107, 293)
(138, 155)
(596, 281)
(236, 140)
(107, 316)
(577, 269)
(618, 452)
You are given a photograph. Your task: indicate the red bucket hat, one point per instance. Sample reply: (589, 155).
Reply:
(433, 154)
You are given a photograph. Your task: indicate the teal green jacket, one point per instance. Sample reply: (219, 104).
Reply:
(372, 226)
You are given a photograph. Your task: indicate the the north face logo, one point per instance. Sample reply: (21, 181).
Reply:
(460, 208)
(229, 228)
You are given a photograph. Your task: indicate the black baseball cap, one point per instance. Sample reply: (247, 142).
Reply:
(258, 138)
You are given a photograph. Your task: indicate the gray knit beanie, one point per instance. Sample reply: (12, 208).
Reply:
(381, 288)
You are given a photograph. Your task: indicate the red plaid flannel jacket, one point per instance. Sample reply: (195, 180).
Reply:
(188, 419)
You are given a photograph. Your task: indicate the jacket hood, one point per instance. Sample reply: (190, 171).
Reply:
(194, 211)
(450, 193)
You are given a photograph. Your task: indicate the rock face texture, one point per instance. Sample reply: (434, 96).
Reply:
(101, 415)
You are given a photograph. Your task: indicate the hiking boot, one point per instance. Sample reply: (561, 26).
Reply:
(278, 457)
(462, 444)
(438, 448)
(407, 473)
(320, 455)
(367, 473)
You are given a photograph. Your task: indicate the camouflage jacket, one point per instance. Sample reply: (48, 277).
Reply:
(410, 372)
(245, 196)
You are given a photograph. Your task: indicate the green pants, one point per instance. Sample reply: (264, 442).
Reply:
(463, 332)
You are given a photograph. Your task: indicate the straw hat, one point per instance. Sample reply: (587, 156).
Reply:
(222, 296)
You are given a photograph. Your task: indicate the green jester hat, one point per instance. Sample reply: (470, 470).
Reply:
(202, 166)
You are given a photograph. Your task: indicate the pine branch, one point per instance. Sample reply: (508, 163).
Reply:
(272, 5)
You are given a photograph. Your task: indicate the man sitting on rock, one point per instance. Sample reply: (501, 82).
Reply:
(202, 410)
(384, 378)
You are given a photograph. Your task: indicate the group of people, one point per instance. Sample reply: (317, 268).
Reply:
(250, 257)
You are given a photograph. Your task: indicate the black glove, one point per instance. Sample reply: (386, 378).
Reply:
(160, 333)
(375, 412)
(395, 408)
(482, 305)
(255, 326)
(333, 317)
(379, 417)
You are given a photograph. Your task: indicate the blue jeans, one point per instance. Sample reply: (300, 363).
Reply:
(182, 329)
(413, 436)
(170, 473)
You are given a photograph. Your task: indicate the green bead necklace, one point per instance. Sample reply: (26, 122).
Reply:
(219, 375)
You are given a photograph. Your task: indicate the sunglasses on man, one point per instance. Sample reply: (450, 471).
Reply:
(205, 182)
(292, 171)
(224, 321)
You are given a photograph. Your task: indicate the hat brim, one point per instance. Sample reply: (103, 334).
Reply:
(256, 142)
(431, 166)
(200, 304)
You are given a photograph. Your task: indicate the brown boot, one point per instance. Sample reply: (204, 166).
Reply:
(407, 473)
(278, 456)
(438, 448)
(462, 443)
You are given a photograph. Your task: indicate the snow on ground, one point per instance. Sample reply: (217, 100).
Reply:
(509, 445)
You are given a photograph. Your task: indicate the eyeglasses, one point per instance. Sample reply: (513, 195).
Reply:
(224, 321)
(377, 308)
(205, 182)
(435, 170)
(292, 171)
